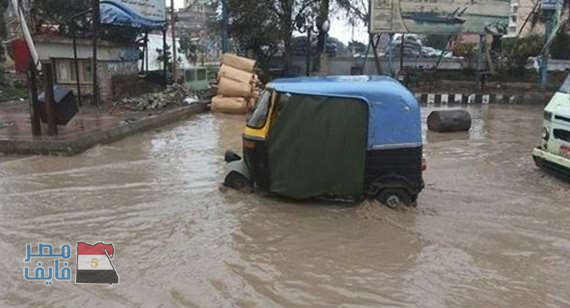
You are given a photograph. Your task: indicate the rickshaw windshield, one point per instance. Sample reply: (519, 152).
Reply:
(565, 88)
(259, 116)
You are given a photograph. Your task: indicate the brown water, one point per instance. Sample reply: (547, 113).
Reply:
(491, 230)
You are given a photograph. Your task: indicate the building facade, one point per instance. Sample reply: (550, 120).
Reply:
(114, 61)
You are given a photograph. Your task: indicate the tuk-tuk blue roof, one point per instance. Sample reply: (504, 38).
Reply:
(394, 113)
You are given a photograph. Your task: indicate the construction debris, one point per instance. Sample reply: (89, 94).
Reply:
(175, 95)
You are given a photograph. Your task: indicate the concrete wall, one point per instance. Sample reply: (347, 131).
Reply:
(344, 65)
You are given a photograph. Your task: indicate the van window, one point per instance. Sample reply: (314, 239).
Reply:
(561, 134)
(565, 88)
(259, 116)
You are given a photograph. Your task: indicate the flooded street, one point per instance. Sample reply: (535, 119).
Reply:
(490, 230)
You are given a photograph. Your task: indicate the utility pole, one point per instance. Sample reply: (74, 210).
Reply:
(49, 101)
(34, 107)
(480, 58)
(95, 30)
(173, 27)
(549, 14)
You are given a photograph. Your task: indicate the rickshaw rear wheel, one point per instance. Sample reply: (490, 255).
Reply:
(394, 197)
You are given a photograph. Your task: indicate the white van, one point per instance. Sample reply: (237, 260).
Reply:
(554, 152)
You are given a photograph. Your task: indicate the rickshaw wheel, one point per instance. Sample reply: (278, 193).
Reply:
(394, 197)
(237, 181)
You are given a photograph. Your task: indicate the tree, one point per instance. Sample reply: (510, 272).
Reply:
(356, 11)
(357, 47)
(254, 26)
(517, 51)
(168, 55)
(58, 13)
(3, 7)
(263, 25)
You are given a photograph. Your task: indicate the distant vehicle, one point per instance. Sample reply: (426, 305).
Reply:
(432, 52)
(333, 137)
(554, 151)
(198, 78)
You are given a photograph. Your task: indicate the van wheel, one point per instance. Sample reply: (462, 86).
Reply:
(237, 181)
(394, 197)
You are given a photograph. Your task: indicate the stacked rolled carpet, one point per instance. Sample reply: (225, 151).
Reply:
(237, 85)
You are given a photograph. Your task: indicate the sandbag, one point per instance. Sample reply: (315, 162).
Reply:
(235, 74)
(456, 120)
(231, 88)
(238, 62)
(233, 105)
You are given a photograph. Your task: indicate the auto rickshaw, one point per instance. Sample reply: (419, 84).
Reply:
(332, 137)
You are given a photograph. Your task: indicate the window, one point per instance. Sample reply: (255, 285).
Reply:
(65, 71)
(201, 74)
(562, 134)
(259, 115)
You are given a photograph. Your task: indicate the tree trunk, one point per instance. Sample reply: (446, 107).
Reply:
(287, 31)
(323, 15)
(449, 121)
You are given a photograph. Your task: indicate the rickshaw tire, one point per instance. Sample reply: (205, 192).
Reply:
(394, 197)
(237, 181)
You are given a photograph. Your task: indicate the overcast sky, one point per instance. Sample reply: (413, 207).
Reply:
(339, 28)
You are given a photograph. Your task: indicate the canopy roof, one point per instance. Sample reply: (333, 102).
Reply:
(394, 113)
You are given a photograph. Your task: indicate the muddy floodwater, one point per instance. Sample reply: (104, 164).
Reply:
(490, 230)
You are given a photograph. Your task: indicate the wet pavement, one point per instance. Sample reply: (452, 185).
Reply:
(490, 230)
(15, 122)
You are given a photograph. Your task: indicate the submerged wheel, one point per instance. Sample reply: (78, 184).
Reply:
(237, 181)
(394, 197)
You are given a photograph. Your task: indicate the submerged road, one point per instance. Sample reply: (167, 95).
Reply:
(490, 230)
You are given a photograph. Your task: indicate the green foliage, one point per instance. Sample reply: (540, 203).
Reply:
(168, 55)
(560, 46)
(517, 51)
(255, 26)
(3, 7)
(8, 93)
(59, 12)
(437, 41)
(357, 47)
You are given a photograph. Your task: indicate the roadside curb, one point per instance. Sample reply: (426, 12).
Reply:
(478, 98)
(81, 142)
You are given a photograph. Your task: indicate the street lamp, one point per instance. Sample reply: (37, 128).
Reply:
(322, 49)
(307, 24)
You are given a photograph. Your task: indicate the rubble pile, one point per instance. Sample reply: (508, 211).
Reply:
(174, 95)
(237, 85)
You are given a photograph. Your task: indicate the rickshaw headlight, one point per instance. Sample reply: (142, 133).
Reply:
(545, 134)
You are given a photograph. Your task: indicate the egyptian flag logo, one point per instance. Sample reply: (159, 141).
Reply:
(94, 264)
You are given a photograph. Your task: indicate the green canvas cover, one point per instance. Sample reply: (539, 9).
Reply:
(317, 146)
